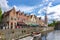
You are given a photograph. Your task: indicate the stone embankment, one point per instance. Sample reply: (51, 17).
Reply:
(9, 34)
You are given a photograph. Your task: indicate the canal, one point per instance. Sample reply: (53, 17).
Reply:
(54, 35)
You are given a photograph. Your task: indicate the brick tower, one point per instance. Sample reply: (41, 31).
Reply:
(46, 20)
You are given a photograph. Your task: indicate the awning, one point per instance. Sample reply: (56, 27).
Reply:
(21, 24)
(34, 25)
(31, 24)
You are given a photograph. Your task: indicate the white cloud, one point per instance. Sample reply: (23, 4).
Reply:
(56, 10)
(3, 4)
(24, 8)
(42, 17)
(51, 9)
(45, 2)
(50, 4)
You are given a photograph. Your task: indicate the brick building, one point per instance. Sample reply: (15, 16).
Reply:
(12, 18)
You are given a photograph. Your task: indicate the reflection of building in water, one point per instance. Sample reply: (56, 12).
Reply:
(11, 19)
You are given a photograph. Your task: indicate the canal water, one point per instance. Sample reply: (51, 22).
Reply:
(55, 35)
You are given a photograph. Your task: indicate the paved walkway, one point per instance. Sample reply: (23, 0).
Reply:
(27, 38)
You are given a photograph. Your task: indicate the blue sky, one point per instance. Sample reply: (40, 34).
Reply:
(36, 7)
(24, 2)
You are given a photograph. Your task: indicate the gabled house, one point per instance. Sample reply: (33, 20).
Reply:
(11, 18)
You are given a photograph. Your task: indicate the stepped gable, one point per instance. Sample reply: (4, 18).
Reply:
(7, 12)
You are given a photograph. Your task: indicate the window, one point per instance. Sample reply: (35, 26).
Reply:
(15, 24)
(14, 18)
(21, 13)
(18, 18)
(11, 18)
(11, 25)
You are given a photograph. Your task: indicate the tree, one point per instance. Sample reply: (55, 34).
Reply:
(0, 14)
(53, 23)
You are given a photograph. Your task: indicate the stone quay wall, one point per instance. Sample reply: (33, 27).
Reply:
(9, 34)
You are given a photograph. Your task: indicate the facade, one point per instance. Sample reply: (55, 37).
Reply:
(9, 19)
(12, 18)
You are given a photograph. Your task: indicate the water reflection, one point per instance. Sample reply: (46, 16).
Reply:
(44, 38)
(55, 35)
(51, 35)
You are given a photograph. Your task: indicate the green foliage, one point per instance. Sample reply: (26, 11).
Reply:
(52, 24)
(0, 14)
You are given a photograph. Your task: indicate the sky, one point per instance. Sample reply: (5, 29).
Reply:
(36, 7)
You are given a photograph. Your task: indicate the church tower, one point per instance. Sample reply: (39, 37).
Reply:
(46, 20)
